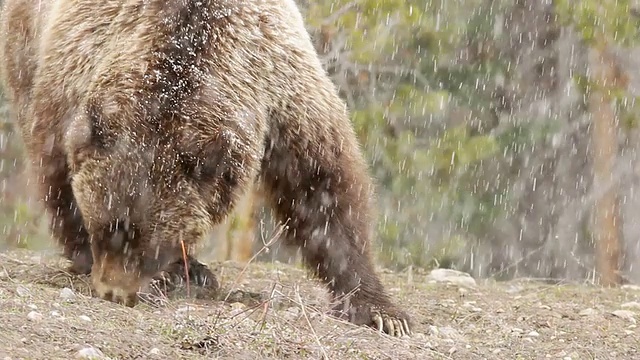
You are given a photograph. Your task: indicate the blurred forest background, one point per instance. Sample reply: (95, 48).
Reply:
(504, 136)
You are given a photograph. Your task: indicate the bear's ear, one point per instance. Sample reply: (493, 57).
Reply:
(84, 134)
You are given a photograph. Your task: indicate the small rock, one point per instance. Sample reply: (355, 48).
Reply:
(84, 318)
(34, 316)
(449, 332)
(237, 308)
(499, 311)
(55, 313)
(22, 291)
(32, 307)
(89, 353)
(185, 309)
(625, 314)
(154, 351)
(517, 330)
(295, 311)
(514, 289)
(588, 312)
(631, 287)
(533, 334)
(67, 294)
(631, 305)
(451, 276)
(433, 330)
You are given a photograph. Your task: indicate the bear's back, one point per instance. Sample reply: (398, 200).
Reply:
(161, 49)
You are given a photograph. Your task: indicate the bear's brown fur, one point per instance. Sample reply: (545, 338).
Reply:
(151, 117)
(20, 30)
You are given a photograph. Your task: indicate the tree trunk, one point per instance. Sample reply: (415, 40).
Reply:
(604, 152)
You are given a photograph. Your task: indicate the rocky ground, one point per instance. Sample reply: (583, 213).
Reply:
(274, 311)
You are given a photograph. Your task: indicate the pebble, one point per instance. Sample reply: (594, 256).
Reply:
(451, 276)
(625, 314)
(186, 308)
(588, 312)
(533, 334)
(631, 305)
(22, 291)
(631, 287)
(237, 309)
(67, 294)
(154, 351)
(89, 353)
(84, 318)
(433, 330)
(34, 316)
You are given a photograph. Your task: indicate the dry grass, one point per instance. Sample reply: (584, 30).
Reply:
(276, 311)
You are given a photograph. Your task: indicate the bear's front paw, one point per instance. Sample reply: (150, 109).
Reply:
(387, 318)
(114, 284)
(392, 323)
(175, 276)
(81, 261)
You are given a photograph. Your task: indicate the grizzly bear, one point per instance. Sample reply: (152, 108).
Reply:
(145, 120)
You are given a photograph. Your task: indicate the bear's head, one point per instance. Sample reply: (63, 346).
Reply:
(140, 193)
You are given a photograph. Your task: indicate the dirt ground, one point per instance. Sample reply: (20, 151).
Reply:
(274, 311)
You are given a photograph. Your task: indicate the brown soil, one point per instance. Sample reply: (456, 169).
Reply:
(280, 315)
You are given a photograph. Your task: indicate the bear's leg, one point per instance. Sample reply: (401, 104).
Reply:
(318, 185)
(66, 222)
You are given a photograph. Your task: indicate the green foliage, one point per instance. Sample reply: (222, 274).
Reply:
(601, 21)
(456, 150)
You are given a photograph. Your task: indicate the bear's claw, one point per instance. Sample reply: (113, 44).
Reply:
(391, 325)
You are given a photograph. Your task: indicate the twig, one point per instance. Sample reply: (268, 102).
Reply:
(306, 317)
(186, 264)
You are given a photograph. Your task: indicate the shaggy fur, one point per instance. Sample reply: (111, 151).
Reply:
(151, 117)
